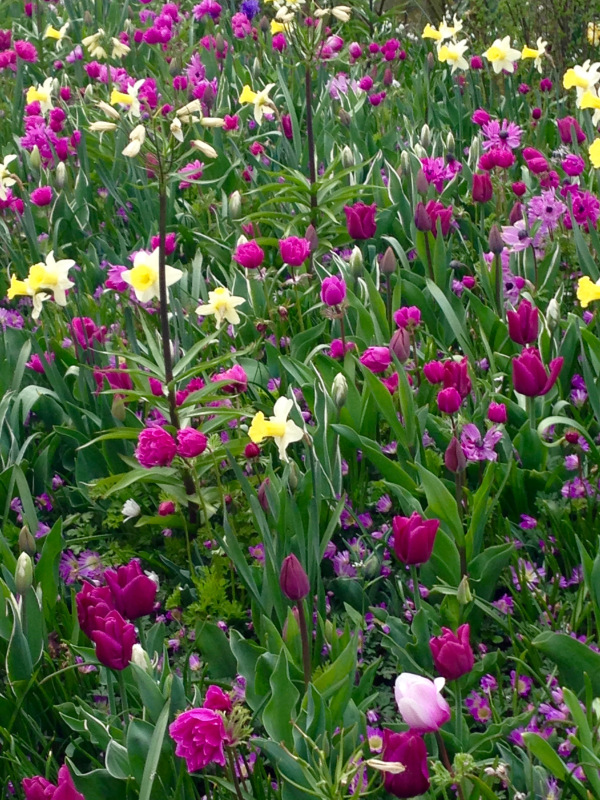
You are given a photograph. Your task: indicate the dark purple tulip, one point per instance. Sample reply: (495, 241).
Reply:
(482, 187)
(414, 537)
(93, 603)
(456, 374)
(360, 220)
(293, 580)
(407, 748)
(114, 639)
(333, 291)
(523, 323)
(452, 652)
(133, 592)
(529, 374)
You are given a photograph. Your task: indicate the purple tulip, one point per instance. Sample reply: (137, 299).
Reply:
(294, 250)
(452, 652)
(414, 537)
(333, 291)
(523, 323)
(449, 400)
(293, 580)
(114, 639)
(249, 255)
(133, 592)
(407, 748)
(360, 220)
(377, 359)
(529, 374)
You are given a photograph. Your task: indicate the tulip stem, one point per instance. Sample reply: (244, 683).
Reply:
(388, 300)
(124, 703)
(414, 575)
(429, 258)
(446, 762)
(305, 643)
(531, 411)
(343, 336)
(459, 720)
(312, 172)
(498, 285)
(110, 690)
(234, 777)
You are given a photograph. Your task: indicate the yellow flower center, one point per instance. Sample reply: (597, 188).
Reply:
(142, 277)
(446, 54)
(529, 52)
(120, 97)
(261, 428)
(495, 53)
(40, 276)
(38, 95)
(572, 80)
(52, 33)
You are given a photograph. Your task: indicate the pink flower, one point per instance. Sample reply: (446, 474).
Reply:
(114, 639)
(114, 279)
(35, 362)
(336, 348)
(156, 448)
(39, 788)
(133, 592)
(449, 400)
(170, 243)
(85, 331)
(231, 122)
(376, 359)
(217, 700)
(497, 413)
(408, 317)
(420, 702)
(200, 736)
(237, 377)
(360, 220)
(42, 196)
(333, 291)
(25, 50)
(190, 443)
(249, 255)
(294, 250)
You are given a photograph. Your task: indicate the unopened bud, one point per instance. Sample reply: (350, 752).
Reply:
(347, 157)
(339, 390)
(140, 658)
(422, 219)
(404, 161)
(516, 213)
(23, 573)
(60, 175)
(430, 60)
(425, 138)
(388, 77)
(262, 494)
(345, 117)
(26, 541)
(35, 157)
(293, 476)
(388, 263)
(356, 262)
(219, 42)
(495, 241)
(264, 24)
(450, 143)
(235, 205)
(419, 151)
(293, 580)
(88, 94)
(464, 595)
(422, 182)
(88, 20)
(552, 314)
(454, 457)
(118, 408)
(311, 236)
(400, 344)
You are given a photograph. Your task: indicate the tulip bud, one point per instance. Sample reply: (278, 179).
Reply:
(344, 117)
(60, 175)
(450, 143)
(430, 60)
(293, 476)
(400, 344)
(454, 457)
(262, 494)
(356, 262)
(552, 314)
(35, 157)
(420, 152)
(496, 244)
(404, 162)
(347, 157)
(388, 263)
(516, 213)
(23, 573)
(88, 20)
(26, 541)
(311, 236)
(293, 580)
(140, 658)
(264, 24)
(425, 136)
(422, 182)
(463, 595)
(219, 42)
(235, 205)
(339, 390)
(422, 219)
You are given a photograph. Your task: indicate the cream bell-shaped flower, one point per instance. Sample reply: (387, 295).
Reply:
(342, 13)
(222, 304)
(582, 78)
(102, 126)
(282, 430)
(453, 54)
(42, 94)
(119, 50)
(137, 137)
(53, 276)
(258, 99)
(205, 148)
(6, 178)
(143, 276)
(92, 43)
(176, 130)
(502, 56)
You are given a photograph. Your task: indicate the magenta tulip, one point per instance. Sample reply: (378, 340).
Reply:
(333, 291)
(529, 374)
(449, 400)
(482, 188)
(133, 592)
(407, 748)
(452, 652)
(249, 255)
(293, 580)
(523, 323)
(114, 639)
(414, 538)
(360, 220)
(294, 250)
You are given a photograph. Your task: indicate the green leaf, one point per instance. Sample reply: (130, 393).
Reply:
(441, 504)
(46, 570)
(154, 753)
(215, 650)
(280, 711)
(117, 760)
(544, 753)
(19, 666)
(573, 659)
(391, 470)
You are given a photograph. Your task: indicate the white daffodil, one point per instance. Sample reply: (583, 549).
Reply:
(137, 137)
(582, 78)
(130, 510)
(258, 99)
(52, 275)
(129, 98)
(453, 54)
(6, 178)
(222, 304)
(143, 276)
(283, 431)
(502, 56)
(92, 43)
(42, 94)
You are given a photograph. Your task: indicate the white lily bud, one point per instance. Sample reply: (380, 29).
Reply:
(108, 110)
(425, 136)
(339, 390)
(140, 657)
(205, 148)
(23, 573)
(102, 127)
(342, 13)
(347, 157)
(212, 122)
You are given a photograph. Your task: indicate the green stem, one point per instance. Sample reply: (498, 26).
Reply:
(446, 762)
(429, 258)
(312, 171)
(234, 777)
(531, 413)
(459, 720)
(111, 693)
(499, 287)
(306, 659)
(415, 581)
(124, 702)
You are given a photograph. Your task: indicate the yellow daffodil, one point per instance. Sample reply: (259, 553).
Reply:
(143, 276)
(42, 94)
(450, 31)
(52, 275)
(582, 77)
(502, 56)
(222, 304)
(6, 178)
(282, 430)
(259, 99)
(24, 288)
(593, 33)
(129, 98)
(17, 287)
(590, 100)
(57, 35)
(429, 32)
(536, 53)
(594, 151)
(453, 54)
(587, 292)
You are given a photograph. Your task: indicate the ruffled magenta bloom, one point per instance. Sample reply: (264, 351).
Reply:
(249, 255)
(438, 211)
(166, 508)
(115, 280)
(170, 243)
(546, 85)
(200, 737)
(449, 400)
(360, 220)
(476, 63)
(86, 332)
(294, 250)
(133, 592)
(529, 374)
(155, 448)
(279, 43)
(376, 359)
(333, 291)
(408, 317)
(217, 700)
(518, 188)
(480, 117)
(569, 128)
(413, 538)
(232, 122)
(407, 748)
(434, 372)
(190, 443)
(336, 348)
(452, 652)
(39, 788)
(93, 603)
(573, 165)
(25, 50)
(114, 639)
(237, 377)
(42, 196)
